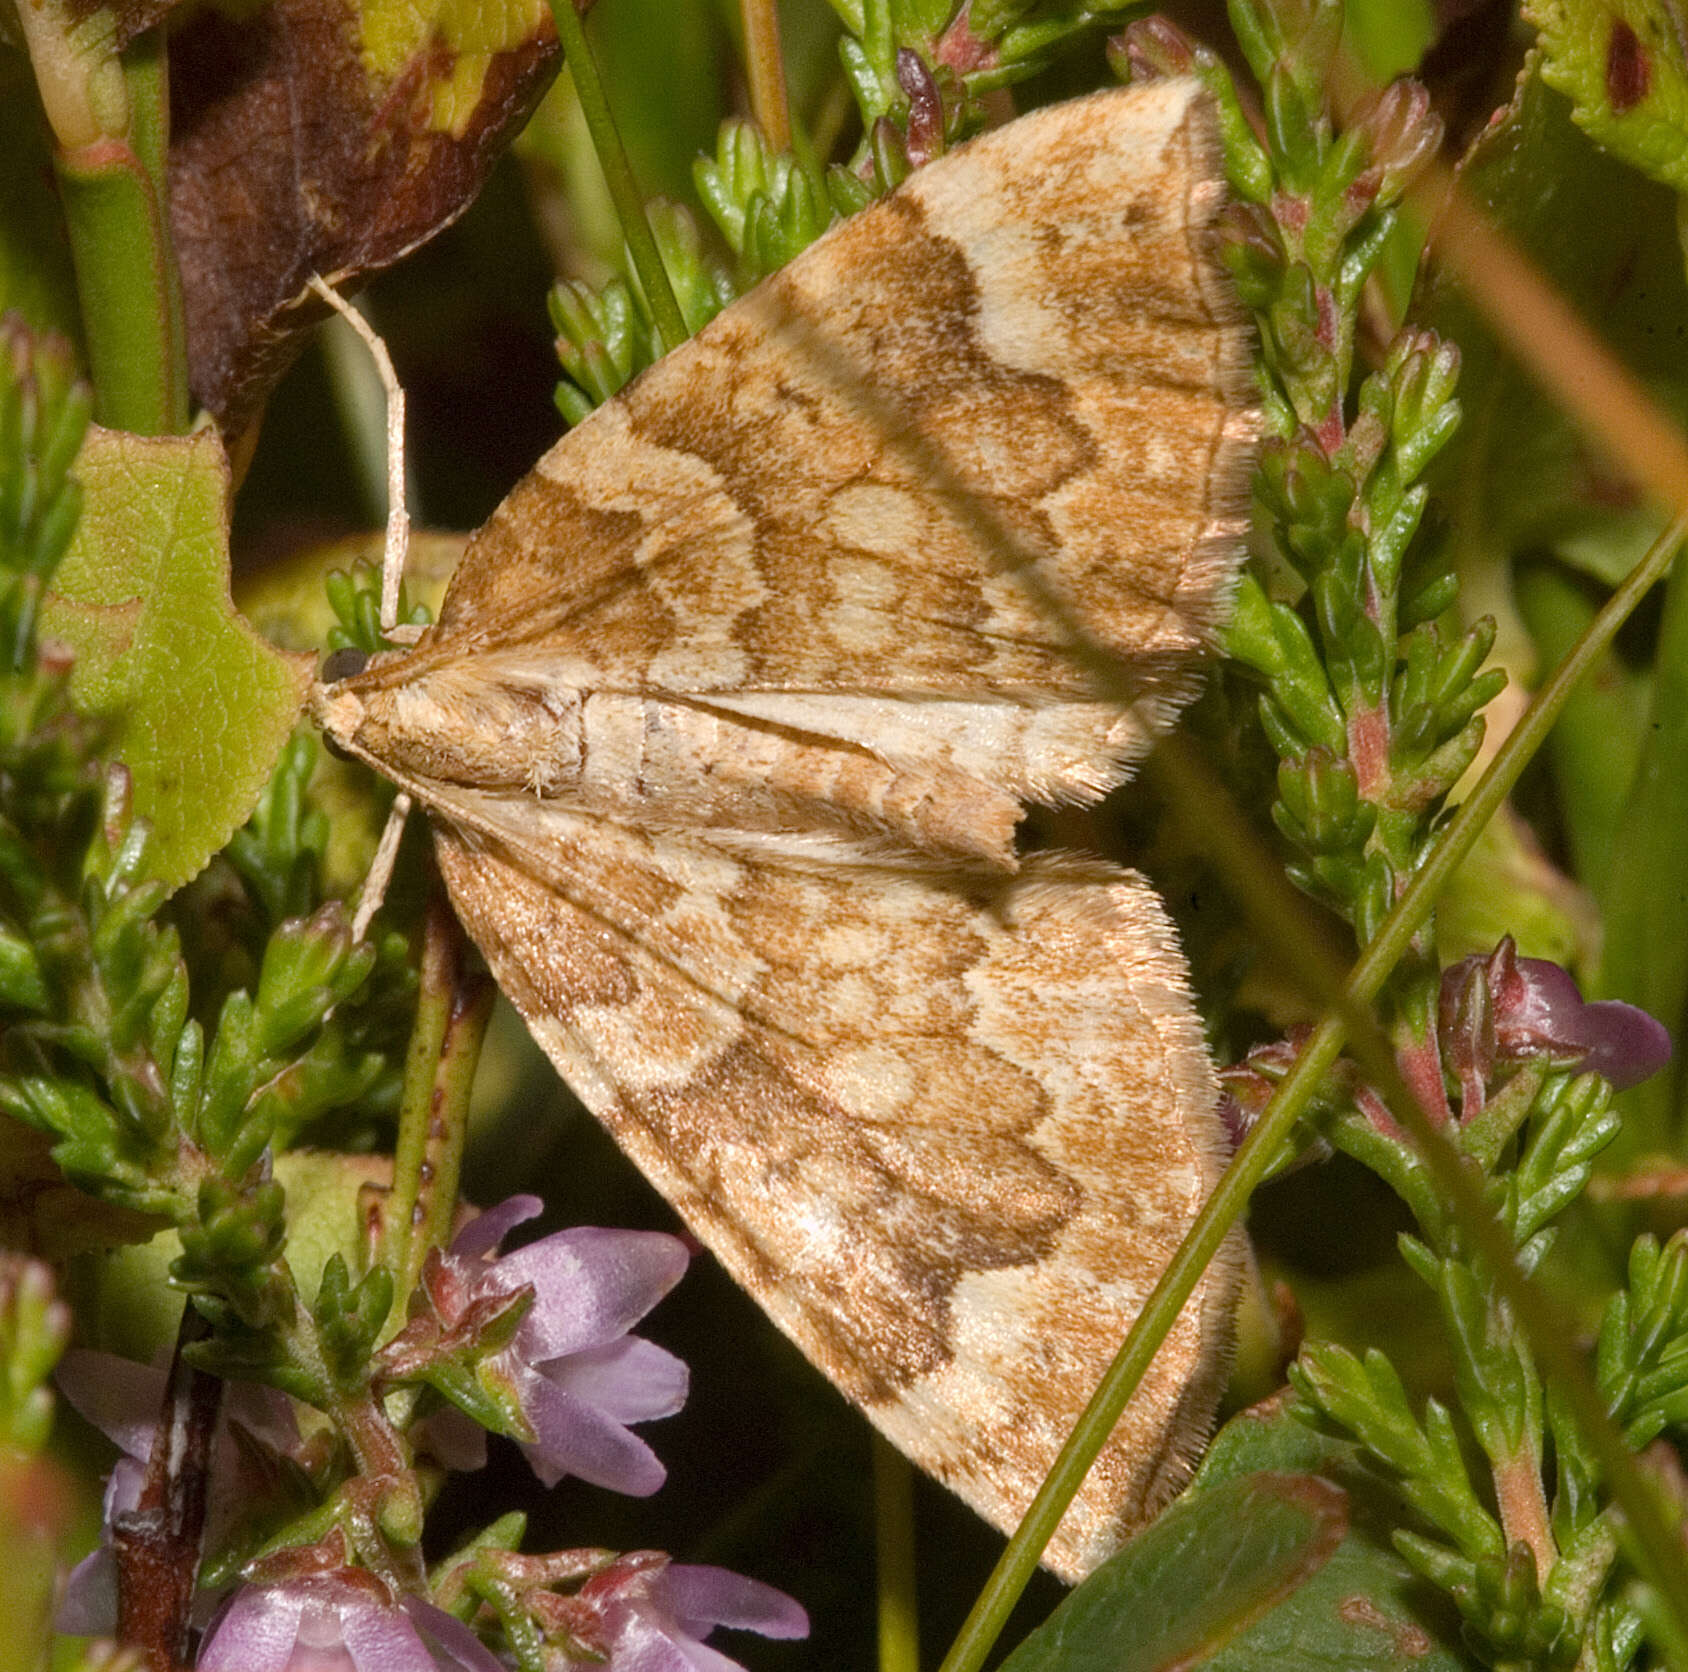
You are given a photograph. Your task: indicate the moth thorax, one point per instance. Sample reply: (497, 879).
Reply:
(477, 732)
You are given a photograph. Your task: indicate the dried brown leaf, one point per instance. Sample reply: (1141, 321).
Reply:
(321, 136)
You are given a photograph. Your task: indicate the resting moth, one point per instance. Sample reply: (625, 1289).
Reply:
(725, 728)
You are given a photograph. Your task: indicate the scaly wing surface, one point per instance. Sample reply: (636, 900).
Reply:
(948, 1137)
(986, 441)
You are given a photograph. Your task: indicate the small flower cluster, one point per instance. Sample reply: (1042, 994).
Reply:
(534, 1344)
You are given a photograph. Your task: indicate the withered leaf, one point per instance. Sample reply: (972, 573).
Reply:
(333, 137)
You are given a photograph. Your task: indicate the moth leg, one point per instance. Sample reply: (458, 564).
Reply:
(393, 555)
(374, 889)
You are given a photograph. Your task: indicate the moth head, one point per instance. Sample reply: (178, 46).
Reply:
(337, 711)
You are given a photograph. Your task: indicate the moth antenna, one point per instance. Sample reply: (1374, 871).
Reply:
(394, 552)
(374, 889)
(398, 513)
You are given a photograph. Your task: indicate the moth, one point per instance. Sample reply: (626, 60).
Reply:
(725, 728)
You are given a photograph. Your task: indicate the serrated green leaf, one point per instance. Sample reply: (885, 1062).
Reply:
(1624, 66)
(1209, 1568)
(202, 705)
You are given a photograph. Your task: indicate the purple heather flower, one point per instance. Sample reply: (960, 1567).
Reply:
(577, 1375)
(122, 1399)
(650, 1615)
(1533, 1008)
(338, 1622)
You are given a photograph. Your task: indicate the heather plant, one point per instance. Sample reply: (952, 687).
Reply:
(244, 1135)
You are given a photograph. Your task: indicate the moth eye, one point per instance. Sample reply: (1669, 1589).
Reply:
(342, 664)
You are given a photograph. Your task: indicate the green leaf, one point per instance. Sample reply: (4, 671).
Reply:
(1508, 886)
(1622, 63)
(1645, 959)
(202, 705)
(1209, 1568)
(1363, 1610)
(1389, 37)
(129, 1308)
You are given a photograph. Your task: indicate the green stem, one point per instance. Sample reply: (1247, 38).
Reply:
(454, 1079)
(893, 1527)
(618, 176)
(117, 217)
(407, 1213)
(1659, 1554)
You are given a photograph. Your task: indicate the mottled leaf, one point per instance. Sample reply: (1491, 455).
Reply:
(1624, 66)
(332, 137)
(202, 704)
(1211, 1566)
(1363, 1610)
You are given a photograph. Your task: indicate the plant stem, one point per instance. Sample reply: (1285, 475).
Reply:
(618, 176)
(460, 1052)
(117, 216)
(893, 1526)
(764, 68)
(407, 1212)
(157, 1544)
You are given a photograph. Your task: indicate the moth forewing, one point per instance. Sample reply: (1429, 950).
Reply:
(724, 728)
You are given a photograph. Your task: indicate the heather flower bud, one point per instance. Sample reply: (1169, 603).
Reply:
(1151, 49)
(1535, 1010)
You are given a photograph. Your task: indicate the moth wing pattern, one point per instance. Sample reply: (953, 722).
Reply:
(1020, 381)
(893, 1108)
(844, 565)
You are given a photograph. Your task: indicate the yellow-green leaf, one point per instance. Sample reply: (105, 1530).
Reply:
(200, 704)
(1624, 66)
